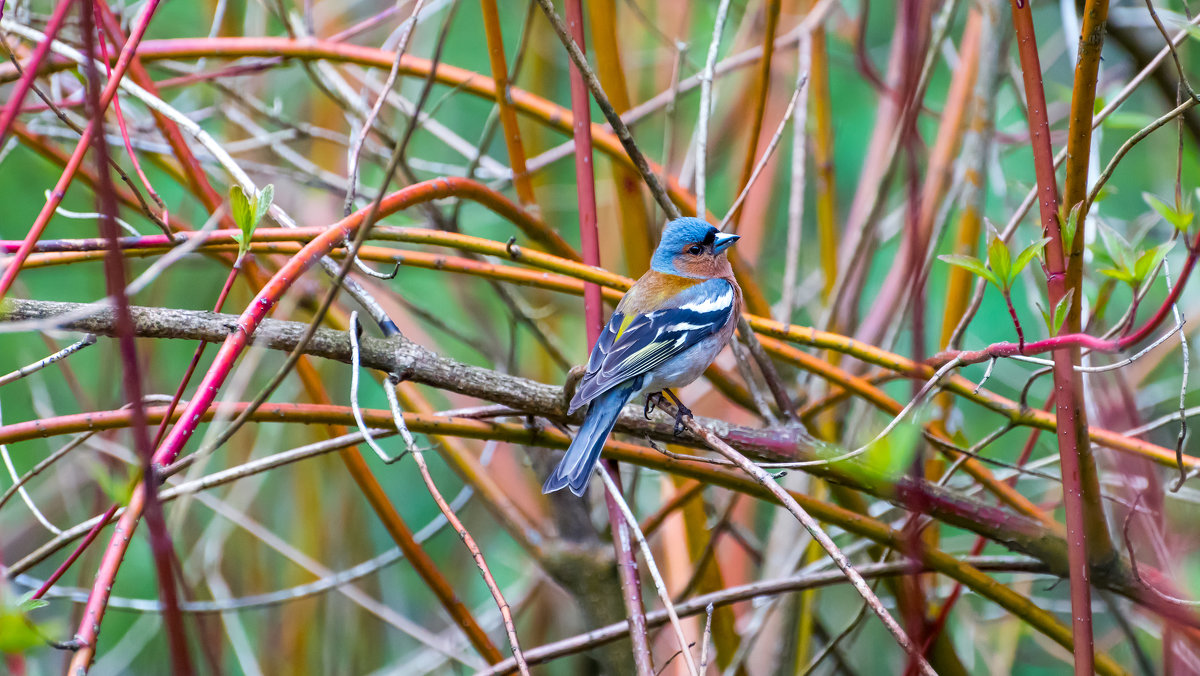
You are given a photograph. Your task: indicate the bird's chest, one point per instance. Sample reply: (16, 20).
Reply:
(653, 291)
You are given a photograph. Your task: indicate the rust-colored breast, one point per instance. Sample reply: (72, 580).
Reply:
(653, 291)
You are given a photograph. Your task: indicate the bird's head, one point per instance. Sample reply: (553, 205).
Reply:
(691, 247)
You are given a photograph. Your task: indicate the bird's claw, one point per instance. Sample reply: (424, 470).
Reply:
(681, 412)
(652, 400)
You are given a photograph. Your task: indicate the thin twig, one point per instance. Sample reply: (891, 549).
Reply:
(463, 534)
(355, 367)
(708, 613)
(762, 477)
(610, 114)
(25, 496)
(832, 645)
(706, 104)
(699, 604)
(917, 399)
(508, 116)
(388, 83)
(648, 556)
(88, 339)
(796, 187)
(1183, 427)
(1128, 145)
(766, 156)
(42, 465)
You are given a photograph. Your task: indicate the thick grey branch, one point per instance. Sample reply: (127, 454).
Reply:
(397, 355)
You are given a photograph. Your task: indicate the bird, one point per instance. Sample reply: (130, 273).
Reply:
(666, 330)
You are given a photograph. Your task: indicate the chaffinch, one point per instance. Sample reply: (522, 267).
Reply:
(665, 331)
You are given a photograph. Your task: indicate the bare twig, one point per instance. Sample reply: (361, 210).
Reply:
(508, 117)
(648, 556)
(775, 138)
(25, 497)
(916, 401)
(1129, 143)
(359, 138)
(463, 534)
(1183, 426)
(88, 339)
(832, 645)
(700, 604)
(706, 104)
(708, 613)
(42, 465)
(355, 366)
(796, 187)
(762, 477)
(1133, 565)
(618, 125)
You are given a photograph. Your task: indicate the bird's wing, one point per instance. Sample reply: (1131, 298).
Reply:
(633, 344)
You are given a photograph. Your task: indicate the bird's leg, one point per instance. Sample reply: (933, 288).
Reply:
(653, 399)
(681, 411)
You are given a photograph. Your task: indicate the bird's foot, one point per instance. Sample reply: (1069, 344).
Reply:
(652, 400)
(681, 411)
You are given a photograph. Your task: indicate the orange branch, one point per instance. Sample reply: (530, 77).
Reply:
(508, 119)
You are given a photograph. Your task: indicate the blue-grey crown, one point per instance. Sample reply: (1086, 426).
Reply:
(679, 232)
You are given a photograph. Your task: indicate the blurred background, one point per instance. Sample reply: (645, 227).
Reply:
(872, 131)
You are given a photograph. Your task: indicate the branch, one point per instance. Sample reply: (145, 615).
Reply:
(810, 524)
(755, 590)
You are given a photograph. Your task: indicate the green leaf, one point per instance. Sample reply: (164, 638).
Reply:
(248, 212)
(18, 633)
(239, 204)
(1000, 261)
(1180, 218)
(118, 488)
(1149, 260)
(1119, 275)
(1027, 255)
(971, 264)
(1061, 310)
(28, 603)
(263, 204)
(1106, 191)
(1119, 249)
(1069, 226)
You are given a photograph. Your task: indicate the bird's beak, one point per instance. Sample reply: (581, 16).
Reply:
(724, 241)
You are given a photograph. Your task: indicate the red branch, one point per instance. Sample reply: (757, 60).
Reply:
(589, 239)
(17, 96)
(96, 124)
(223, 363)
(115, 279)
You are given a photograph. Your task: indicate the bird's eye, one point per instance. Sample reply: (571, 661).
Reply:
(695, 250)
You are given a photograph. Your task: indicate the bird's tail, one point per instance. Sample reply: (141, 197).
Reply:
(575, 469)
